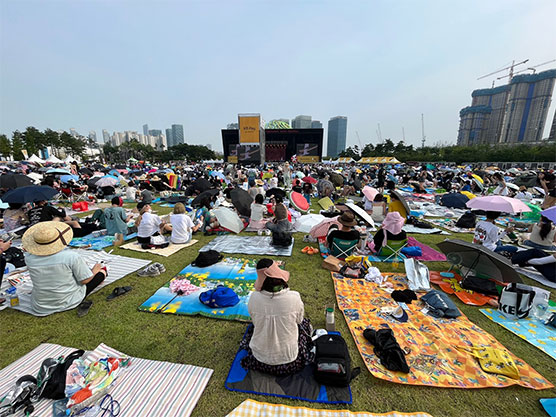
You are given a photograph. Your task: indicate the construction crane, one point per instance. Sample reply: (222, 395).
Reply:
(379, 133)
(359, 140)
(533, 68)
(423, 130)
(510, 67)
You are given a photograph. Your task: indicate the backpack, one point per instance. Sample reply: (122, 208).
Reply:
(207, 258)
(282, 239)
(467, 220)
(56, 384)
(332, 361)
(15, 257)
(220, 296)
(480, 285)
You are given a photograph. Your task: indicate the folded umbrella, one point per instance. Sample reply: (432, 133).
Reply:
(228, 219)
(29, 194)
(14, 181)
(241, 201)
(498, 203)
(480, 259)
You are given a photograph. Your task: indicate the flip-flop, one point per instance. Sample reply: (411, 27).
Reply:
(118, 291)
(83, 308)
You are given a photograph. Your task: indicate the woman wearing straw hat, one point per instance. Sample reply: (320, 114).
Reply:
(61, 278)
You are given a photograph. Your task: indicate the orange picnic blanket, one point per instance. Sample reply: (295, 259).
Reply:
(451, 286)
(430, 343)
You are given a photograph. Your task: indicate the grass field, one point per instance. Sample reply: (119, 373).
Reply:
(213, 343)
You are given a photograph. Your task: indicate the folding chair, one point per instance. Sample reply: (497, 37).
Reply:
(393, 249)
(342, 248)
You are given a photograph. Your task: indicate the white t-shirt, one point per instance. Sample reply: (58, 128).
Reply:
(257, 211)
(149, 225)
(368, 204)
(130, 193)
(181, 228)
(487, 234)
(501, 190)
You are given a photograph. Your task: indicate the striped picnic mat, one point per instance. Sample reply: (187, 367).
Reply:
(118, 267)
(250, 408)
(146, 388)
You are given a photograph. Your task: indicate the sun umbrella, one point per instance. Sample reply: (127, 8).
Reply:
(275, 191)
(35, 177)
(59, 171)
(66, 178)
(14, 181)
(512, 186)
(205, 194)
(309, 180)
(241, 201)
(218, 174)
(85, 171)
(468, 194)
(299, 174)
(480, 259)
(198, 185)
(107, 181)
(479, 179)
(402, 200)
(228, 219)
(454, 200)
(528, 180)
(550, 214)
(362, 213)
(498, 203)
(29, 194)
(321, 229)
(337, 179)
(299, 202)
(305, 223)
(325, 187)
(370, 192)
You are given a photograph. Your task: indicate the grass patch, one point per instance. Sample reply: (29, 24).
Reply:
(213, 343)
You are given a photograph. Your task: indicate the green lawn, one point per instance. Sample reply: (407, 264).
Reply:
(211, 343)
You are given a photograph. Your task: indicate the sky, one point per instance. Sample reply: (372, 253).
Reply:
(116, 65)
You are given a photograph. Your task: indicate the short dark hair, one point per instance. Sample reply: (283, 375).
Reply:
(116, 200)
(492, 215)
(259, 199)
(378, 197)
(140, 205)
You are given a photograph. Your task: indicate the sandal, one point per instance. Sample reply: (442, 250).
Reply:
(305, 249)
(118, 291)
(83, 308)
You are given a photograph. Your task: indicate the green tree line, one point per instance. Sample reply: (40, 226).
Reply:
(454, 153)
(134, 149)
(34, 141)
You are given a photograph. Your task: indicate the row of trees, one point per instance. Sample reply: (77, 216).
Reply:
(458, 154)
(33, 140)
(134, 149)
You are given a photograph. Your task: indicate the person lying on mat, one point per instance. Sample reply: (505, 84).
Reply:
(346, 231)
(182, 225)
(279, 342)
(391, 229)
(148, 224)
(61, 278)
(489, 235)
(541, 261)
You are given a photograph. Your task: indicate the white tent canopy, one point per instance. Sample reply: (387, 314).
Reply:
(52, 159)
(34, 158)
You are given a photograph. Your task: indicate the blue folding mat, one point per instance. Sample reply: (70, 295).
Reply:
(300, 386)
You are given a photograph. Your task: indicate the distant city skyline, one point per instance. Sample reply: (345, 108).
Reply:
(415, 57)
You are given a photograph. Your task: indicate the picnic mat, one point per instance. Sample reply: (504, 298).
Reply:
(146, 388)
(236, 273)
(248, 245)
(300, 386)
(252, 408)
(451, 285)
(549, 405)
(448, 224)
(118, 267)
(530, 329)
(96, 243)
(167, 251)
(431, 342)
(409, 228)
(536, 276)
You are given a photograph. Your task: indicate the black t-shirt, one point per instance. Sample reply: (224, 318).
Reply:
(341, 234)
(44, 214)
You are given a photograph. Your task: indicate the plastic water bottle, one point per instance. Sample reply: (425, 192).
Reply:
(539, 310)
(330, 325)
(12, 294)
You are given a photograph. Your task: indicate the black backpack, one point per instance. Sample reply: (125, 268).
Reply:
(56, 384)
(15, 257)
(332, 361)
(480, 285)
(281, 239)
(207, 258)
(467, 220)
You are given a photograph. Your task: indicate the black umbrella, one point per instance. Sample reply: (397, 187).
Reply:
(480, 259)
(198, 185)
(29, 194)
(14, 181)
(86, 171)
(205, 194)
(454, 200)
(529, 180)
(241, 201)
(275, 191)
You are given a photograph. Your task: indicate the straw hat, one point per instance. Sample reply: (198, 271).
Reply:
(47, 238)
(259, 182)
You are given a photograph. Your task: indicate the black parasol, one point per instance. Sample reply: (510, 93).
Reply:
(241, 201)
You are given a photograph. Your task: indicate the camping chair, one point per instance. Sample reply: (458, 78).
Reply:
(393, 249)
(342, 248)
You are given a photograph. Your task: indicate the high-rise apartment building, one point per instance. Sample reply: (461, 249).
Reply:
(145, 129)
(301, 122)
(93, 135)
(232, 126)
(552, 134)
(169, 138)
(337, 134)
(155, 132)
(513, 113)
(177, 135)
(316, 124)
(105, 136)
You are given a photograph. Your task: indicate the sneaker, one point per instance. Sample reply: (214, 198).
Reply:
(268, 232)
(149, 271)
(160, 267)
(260, 232)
